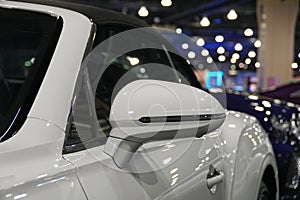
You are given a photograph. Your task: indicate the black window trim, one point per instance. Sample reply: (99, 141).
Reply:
(75, 147)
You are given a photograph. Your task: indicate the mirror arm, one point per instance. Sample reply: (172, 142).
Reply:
(121, 148)
(121, 151)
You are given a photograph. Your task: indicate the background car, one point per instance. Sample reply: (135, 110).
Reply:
(280, 119)
(288, 92)
(102, 108)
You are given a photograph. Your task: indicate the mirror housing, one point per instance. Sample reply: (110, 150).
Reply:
(152, 110)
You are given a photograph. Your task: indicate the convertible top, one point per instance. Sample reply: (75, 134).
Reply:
(96, 14)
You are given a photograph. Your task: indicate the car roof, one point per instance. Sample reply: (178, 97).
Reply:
(97, 15)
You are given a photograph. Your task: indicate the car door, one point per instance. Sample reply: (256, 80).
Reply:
(181, 168)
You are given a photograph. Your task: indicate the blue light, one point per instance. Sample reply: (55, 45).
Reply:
(214, 79)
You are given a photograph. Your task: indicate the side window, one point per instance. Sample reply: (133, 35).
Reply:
(27, 42)
(143, 63)
(135, 65)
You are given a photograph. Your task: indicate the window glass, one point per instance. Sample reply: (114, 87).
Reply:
(139, 64)
(27, 41)
(142, 63)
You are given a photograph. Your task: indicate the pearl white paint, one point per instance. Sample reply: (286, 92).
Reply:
(33, 167)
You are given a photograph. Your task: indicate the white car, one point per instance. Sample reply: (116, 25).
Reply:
(96, 105)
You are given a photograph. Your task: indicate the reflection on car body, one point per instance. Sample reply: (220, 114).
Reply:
(281, 121)
(95, 118)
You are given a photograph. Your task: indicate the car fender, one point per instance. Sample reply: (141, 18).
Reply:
(32, 166)
(246, 148)
(268, 162)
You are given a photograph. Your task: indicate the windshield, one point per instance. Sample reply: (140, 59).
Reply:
(27, 42)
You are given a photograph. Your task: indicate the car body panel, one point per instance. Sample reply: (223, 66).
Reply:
(169, 179)
(41, 157)
(33, 166)
(244, 161)
(230, 145)
(280, 121)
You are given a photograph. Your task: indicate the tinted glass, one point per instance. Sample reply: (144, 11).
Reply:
(27, 41)
(142, 63)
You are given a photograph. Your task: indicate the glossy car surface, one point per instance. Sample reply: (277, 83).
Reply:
(74, 129)
(281, 121)
(288, 92)
(279, 118)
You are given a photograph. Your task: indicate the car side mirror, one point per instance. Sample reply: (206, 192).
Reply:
(152, 110)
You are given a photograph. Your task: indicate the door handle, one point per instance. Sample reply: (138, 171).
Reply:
(214, 177)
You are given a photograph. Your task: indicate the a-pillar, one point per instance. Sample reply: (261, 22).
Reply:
(276, 21)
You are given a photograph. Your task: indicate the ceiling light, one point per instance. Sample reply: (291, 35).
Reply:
(178, 30)
(251, 54)
(232, 60)
(143, 12)
(204, 52)
(133, 60)
(209, 60)
(248, 61)
(257, 65)
(200, 66)
(248, 32)
(204, 22)
(241, 65)
(294, 65)
(232, 15)
(257, 43)
(166, 3)
(219, 38)
(236, 56)
(238, 47)
(200, 42)
(191, 54)
(220, 50)
(185, 46)
(221, 58)
(263, 25)
(299, 55)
